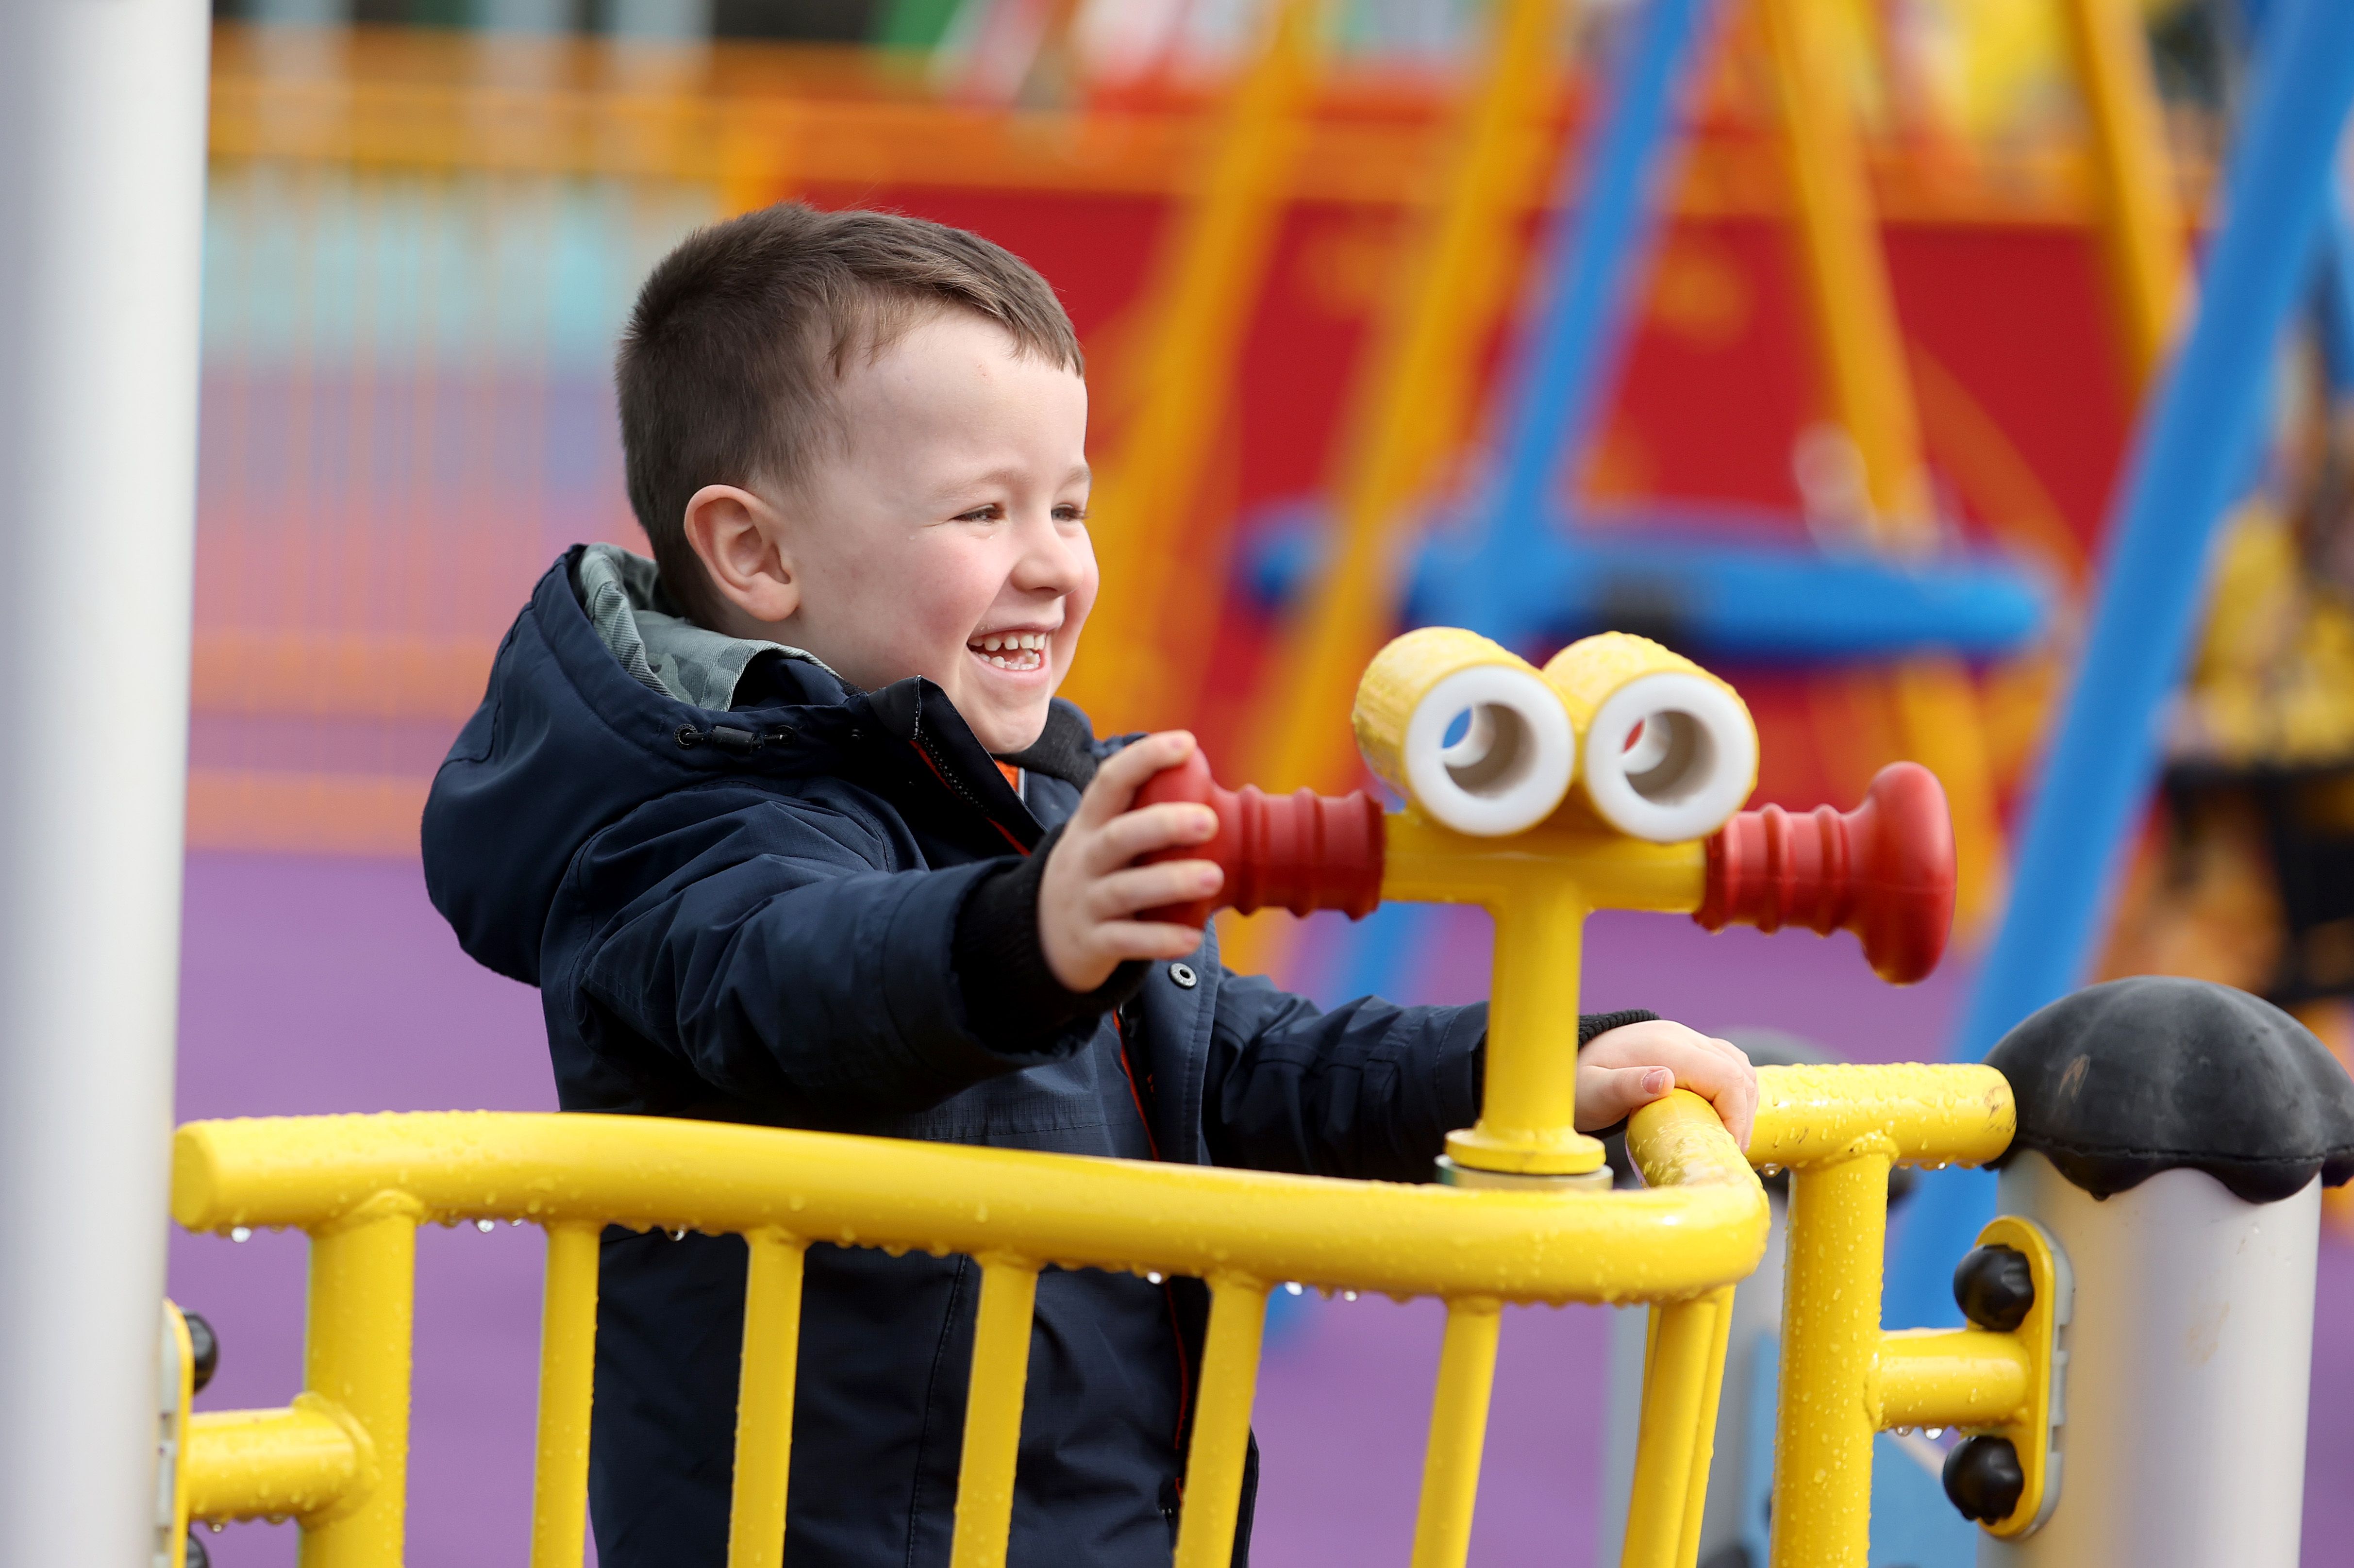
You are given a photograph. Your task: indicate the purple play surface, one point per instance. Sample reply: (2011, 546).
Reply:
(315, 985)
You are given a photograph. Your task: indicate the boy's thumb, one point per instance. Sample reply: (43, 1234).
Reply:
(1625, 1091)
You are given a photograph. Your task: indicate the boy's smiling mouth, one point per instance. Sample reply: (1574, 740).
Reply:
(1015, 650)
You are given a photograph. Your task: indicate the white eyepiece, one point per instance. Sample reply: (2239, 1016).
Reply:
(1669, 757)
(1513, 763)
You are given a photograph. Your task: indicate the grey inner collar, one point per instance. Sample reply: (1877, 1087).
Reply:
(665, 653)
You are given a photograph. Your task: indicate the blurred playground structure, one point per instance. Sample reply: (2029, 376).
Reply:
(419, 246)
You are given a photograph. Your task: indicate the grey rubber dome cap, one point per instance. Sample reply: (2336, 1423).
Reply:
(2121, 1081)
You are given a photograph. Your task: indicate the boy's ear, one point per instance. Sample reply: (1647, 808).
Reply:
(739, 538)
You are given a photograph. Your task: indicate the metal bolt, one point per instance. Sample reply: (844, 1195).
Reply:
(1994, 1287)
(204, 1350)
(1983, 1479)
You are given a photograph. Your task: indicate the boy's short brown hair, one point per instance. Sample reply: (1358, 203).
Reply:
(726, 370)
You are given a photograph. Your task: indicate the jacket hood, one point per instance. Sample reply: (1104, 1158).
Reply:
(588, 719)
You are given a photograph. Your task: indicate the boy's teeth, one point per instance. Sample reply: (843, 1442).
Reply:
(1026, 649)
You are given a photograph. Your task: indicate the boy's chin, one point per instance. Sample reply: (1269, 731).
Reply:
(1003, 729)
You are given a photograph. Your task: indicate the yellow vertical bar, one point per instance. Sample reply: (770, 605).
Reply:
(2141, 218)
(1213, 1465)
(363, 1309)
(1705, 1430)
(1847, 276)
(764, 1400)
(1863, 346)
(568, 1373)
(1674, 1392)
(992, 1416)
(1147, 534)
(1830, 1349)
(1459, 1430)
(1528, 1108)
(1409, 407)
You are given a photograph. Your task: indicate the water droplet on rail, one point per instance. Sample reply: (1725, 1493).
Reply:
(1292, 1287)
(485, 1226)
(1933, 1432)
(1348, 1295)
(679, 1234)
(239, 1234)
(1154, 1278)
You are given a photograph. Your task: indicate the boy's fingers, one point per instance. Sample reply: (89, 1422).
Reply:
(1724, 1078)
(1126, 939)
(1140, 831)
(1124, 892)
(1124, 773)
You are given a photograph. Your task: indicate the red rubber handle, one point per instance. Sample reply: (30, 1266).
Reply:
(1885, 871)
(1302, 853)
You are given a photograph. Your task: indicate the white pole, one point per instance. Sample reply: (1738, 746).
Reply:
(2189, 1359)
(102, 192)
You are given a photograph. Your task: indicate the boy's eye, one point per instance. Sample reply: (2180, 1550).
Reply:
(989, 513)
(1070, 513)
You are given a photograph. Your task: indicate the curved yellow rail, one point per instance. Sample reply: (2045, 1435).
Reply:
(360, 1185)
(647, 1172)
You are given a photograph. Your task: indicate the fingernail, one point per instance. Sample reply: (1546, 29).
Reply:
(1208, 879)
(1656, 1080)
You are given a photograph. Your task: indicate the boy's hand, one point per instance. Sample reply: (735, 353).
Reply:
(1622, 1071)
(1091, 890)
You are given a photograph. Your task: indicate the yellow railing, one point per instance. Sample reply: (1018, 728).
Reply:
(335, 1460)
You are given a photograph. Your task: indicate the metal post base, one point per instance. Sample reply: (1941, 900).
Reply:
(1450, 1174)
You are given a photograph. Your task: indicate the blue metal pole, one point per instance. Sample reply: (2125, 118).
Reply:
(2338, 297)
(1600, 241)
(2189, 459)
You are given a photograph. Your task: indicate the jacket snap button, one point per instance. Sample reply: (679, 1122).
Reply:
(1184, 975)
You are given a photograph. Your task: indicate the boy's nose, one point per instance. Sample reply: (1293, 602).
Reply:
(1051, 558)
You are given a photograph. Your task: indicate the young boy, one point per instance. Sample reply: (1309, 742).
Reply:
(788, 828)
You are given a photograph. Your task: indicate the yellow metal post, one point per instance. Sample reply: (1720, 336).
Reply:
(1539, 886)
(567, 1371)
(993, 1417)
(764, 1400)
(2141, 216)
(1685, 1366)
(1149, 540)
(363, 1285)
(1213, 1465)
(1831, 1336)
(1704, 1433)
(1410, 405)
(1407, 413)
(1459, 1432)
(1863, 347)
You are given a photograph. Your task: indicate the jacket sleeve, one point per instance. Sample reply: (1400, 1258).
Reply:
(1368, 1089)
(764, 944)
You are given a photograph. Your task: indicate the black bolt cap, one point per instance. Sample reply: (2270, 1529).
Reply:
(1983, 1479)
(197, 1556)
(1994, 1286)
(204, 1349)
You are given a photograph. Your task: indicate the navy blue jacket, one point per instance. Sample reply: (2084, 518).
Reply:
(754, 916)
